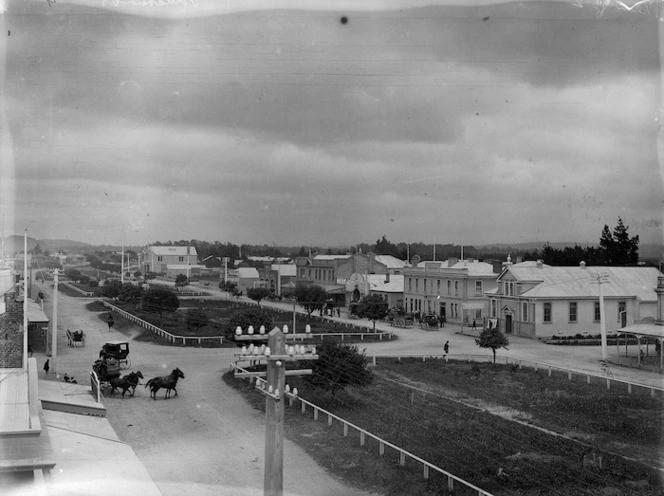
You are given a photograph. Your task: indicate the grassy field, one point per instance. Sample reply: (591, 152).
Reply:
(544, 434)
(219, 313)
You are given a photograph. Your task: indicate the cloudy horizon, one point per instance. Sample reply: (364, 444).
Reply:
(503, 123)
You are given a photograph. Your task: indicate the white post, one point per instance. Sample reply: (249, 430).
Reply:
(601, 279)
(54, 328)
(25, 300)
(122, 269)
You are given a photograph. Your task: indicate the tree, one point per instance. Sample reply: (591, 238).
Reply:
(338, 366)
(372, 307)
(228, 286)
(257, 294)
(311, 297)
(181, 281)
(131, 293)
(111, 288)
(385, 247)
(618, 248)
(494, 339)
(160, 300)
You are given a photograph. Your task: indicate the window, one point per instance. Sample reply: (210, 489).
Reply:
(547, 312)
(425, 285)
(180, 259)
(417, 285)
(622, 307)
(449, 287)
(159, 259)
(494, 308)
(478, 288)
(572, 311)
(410, 287)
(524, 312)
(478, 313)
(597, 315)
(438, 286)
(456, 288)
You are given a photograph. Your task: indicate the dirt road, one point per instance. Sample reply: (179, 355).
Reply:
(206, 440)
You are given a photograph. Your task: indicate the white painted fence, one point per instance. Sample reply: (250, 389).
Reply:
(403, 454)
(608, 377)
(157, 330)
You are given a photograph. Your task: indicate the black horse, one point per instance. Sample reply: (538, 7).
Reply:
(126, 382)
(166, 382)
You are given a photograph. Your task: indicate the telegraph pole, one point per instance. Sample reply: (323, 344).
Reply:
(601, 279)
(275, 391)
(54, 327)
(25, 300)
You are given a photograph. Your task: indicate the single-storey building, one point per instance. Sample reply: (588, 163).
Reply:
(388, 286)
(533, 299)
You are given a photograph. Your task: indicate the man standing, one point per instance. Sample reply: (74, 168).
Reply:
(446, 348)
(46, 367)
(111, 322)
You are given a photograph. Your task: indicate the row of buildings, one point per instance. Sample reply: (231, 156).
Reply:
(526, 298)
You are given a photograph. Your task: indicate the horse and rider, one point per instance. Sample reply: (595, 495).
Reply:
(165, 382)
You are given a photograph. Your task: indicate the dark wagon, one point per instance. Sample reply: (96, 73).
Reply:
(117, 350)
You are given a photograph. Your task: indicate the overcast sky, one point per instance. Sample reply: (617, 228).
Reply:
(498, 123)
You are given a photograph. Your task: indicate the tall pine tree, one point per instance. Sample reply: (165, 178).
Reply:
(618, 248)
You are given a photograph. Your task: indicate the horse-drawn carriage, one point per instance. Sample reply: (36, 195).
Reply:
(117, 350)
(107, 368)
(75, 338)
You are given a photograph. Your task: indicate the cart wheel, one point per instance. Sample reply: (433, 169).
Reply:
(127, 362)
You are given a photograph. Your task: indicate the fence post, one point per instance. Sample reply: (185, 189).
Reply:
(329, 419)
(450, 484)
(374, 359)
(402, 458)
(608, 384)
(549, 371)
(361, 438)
(629, 388)
(345, 429)
(381, 448)
(315, 413)
(569, 375)
(588, 379)
(426, 471)
(304, 407)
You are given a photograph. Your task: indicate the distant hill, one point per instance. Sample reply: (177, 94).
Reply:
(13, 244)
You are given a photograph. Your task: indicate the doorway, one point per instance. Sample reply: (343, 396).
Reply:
(508, 323)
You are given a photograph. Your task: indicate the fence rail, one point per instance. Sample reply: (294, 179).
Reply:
(403, 454)
(157, 330)
(95, 385)
(608, 376)
(75, 288)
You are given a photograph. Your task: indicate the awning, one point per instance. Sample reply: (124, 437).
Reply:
(643, 330)
(35, 314)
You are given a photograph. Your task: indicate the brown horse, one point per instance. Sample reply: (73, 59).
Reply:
(166, 382)
(126, 382)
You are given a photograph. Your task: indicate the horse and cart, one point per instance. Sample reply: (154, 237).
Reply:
(107, 367)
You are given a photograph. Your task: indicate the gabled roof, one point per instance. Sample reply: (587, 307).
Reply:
(173, 250)
(331, 257)
(580, 282)
(391, 262)
(394, 285)
(286, 270)
(247, 273)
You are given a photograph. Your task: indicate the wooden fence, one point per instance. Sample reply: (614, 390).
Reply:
(427, 467)
(157, 330)
(589, 376)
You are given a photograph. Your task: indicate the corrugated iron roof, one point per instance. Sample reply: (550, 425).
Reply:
(173, 250)
(394, 285)
(391, 262)
(579, 282)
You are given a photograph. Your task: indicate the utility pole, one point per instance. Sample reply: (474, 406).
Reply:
(274, 408)
(122, 269)
(54, 328)
(25, 300)
(601, 279)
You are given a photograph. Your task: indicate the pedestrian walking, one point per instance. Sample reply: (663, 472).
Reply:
(110, 321)
(474, 325)
(338, 312)
(443, 320)
(47, 367)
(446, 348)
